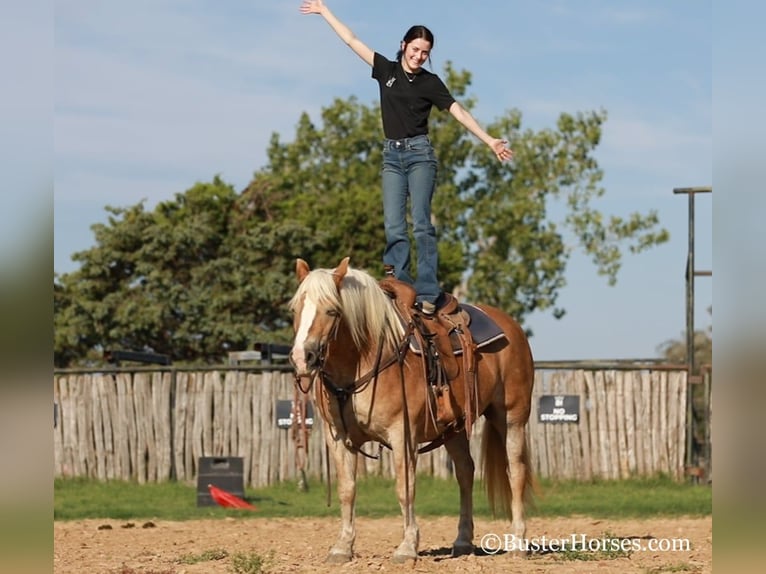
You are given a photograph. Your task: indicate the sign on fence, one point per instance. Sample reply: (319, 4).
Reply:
(558, 409)
(285, 414)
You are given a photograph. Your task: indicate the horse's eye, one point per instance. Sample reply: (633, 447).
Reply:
(333, 313)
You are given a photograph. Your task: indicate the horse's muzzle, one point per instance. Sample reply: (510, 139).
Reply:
(306, 358)
(313, 357)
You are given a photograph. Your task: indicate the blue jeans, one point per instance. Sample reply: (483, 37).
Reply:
(409, 171)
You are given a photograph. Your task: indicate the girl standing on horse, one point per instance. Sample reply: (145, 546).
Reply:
(407, 94)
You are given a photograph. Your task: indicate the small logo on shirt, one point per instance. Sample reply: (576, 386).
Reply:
(390, 81)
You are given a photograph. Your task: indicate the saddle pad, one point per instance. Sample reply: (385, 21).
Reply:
(483, 330)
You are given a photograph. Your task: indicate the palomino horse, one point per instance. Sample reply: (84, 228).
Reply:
(349, 337)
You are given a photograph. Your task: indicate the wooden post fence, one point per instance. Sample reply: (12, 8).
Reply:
(153, 424)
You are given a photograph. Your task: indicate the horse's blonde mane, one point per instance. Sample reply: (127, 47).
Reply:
(367, 310)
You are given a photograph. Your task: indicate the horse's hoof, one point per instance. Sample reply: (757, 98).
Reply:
(462, 550)
(338, 558)
(403, 558)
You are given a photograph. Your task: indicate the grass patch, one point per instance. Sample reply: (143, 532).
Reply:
(632, 498)
(678, 567)
(206, 556)
(129, 570)
(250, 562)
(79, 498)
(602, 553)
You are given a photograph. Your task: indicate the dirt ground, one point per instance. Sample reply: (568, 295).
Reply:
(115, 547)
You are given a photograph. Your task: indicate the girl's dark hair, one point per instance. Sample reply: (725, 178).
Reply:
(414, 33)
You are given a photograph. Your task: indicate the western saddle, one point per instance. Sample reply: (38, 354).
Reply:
(448, 351)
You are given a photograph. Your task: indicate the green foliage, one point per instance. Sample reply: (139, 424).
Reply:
(76, 499)
(210, 271)
(193, 279)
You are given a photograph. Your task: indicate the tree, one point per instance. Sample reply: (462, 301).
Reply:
(193, 279)
(675, 350)
(210, 270)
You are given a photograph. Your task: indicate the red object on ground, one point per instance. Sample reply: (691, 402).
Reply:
(227, 499)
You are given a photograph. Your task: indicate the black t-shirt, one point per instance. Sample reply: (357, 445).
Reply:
(405, 105)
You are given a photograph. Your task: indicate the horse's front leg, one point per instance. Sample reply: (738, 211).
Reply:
(460, 452)
(405, 463)
(345, 465)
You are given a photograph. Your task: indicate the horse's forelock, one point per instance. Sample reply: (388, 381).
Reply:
(320, 287)
(365, 307)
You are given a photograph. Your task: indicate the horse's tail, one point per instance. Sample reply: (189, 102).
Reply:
(496, 472)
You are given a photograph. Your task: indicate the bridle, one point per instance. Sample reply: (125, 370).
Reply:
(343, 393)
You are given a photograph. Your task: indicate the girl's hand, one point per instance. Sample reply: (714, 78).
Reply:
(312, 7)
(502, 152)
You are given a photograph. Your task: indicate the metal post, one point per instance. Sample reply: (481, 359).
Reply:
(691, 273)
(690, 291)
(708, 425)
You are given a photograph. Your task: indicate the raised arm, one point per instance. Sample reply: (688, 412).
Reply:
(343, 31)
(498, 146)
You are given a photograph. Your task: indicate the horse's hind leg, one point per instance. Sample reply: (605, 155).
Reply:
(507, 470)
(345, 465)
(459, 451)
(520, 476)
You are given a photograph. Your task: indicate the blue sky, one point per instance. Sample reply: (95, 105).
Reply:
(154, 95)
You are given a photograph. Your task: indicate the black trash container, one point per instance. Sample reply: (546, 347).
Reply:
(225, 472)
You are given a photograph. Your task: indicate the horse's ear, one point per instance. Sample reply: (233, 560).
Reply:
(340, 271)
(301, 269)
